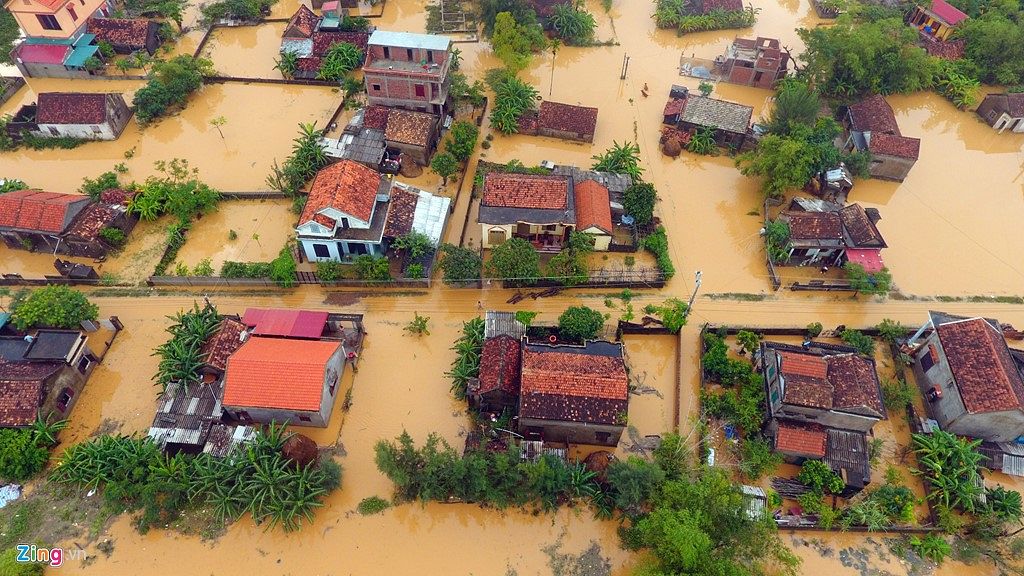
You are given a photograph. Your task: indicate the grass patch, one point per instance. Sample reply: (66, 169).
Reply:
(372, 505)
(949, 298)
(741, 296)
(997, 299)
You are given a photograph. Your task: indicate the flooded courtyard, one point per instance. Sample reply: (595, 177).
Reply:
(949, 228)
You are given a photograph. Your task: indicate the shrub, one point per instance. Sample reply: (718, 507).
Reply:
(113, 236)
(814, 329)
(620, 159)
(373, 268)
(10, 566)
(328, 270)
(372, 505)
(638, 201)
(862, 342)
(22, 455)
(415, 245)
(896, 501)
(931, 547)
(757, 458)
(877, 283)
(673, 313)
(657, 244)
(580, 323)
(514, 259)
(467, 356)
(463, 140)
(282, 268)
(51, 307)
(418, 325)
(340, 59)
(170, 84)
(897, 395)
(573, 24)
(460, 265)
(891, 330)
(245, 269)
(307, 158)
(204, 268)
(415, 271)
(102, 183)
(512, 99)
(817, 476)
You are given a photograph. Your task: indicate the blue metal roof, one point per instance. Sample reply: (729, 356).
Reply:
(409, 40)
(79, 55)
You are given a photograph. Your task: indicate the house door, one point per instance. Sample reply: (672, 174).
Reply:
(356, 249)
(495, 236)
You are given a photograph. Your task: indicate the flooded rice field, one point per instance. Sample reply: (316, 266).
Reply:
(261, 228)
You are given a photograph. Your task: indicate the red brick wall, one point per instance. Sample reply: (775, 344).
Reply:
(397, 88)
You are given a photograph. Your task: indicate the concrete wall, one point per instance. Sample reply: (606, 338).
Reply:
(50, 71)
(572, 432)
(338, 250)
(888, 167)
(564, 135)
(418, 153)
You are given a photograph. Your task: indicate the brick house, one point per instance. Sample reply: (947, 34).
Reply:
(74, 115)
(871, 126)
(412, 133)
(760, 62)
(283, 380)
(1003, 111)
(354, 210)
(821, 232)
(127, 35)
(822, 401)
(557, 120)
(44, 373)
(968, 376)
(404, 70)
(573, 394)
(543, 209)
(497, 387)
(58, 223)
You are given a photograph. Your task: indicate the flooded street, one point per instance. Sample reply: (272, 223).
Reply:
(959, 207)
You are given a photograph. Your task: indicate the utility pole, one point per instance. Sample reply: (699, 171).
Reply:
(696, 287)
(625, 66)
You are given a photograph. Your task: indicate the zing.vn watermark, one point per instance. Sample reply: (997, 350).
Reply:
(52, 556)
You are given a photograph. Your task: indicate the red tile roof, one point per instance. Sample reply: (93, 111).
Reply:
(949, 50)
(860, 228)
(278, 373)
(873, 114)
(282, 322)
(20, 401)
(568, 118)
(900, 146)
(982, 366)
(500, 363)
(526, 191)
(346, 186)
(38, 211)
(129, 32)
(806, 440)
(302, 23)
(407, 127)
(43, 53)
(560, 384)
(91, 220)
(593, 207)
(223, 343)
(71, 108)
(323, 40)
(308, 64)
(401, 212)
(674, 107)
(116, 196)
(839, 381)
(376, 117)
(947, 12)
(813, 225)
(855, 384)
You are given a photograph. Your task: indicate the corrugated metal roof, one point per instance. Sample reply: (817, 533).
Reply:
(409, 40)
(503, 323)
(281, 322)
(1013, 465)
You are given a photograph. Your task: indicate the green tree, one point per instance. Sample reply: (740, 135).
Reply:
(573, 24)
(415, 244)
(897, 395)
(374, 268)
(580, 323)
(634, 481)
(52, 307)
(460, 265)
(463, 140)
(638, 201)
(878, 283)
(340, 59)
(783, 163)
(171, 82)
(9, 32)
(702, 141)
(748, 340)
(891, 330)
(620, 159)
(817, 476)
(444, 165)
(287, 63)
(569, 266)
(512, 99)
(706, 88)
(102, 183)
(510, 42)
(859, 340)
(776, 239)
(795, 104)
(9, 564)
(994, 49)
(514, 259)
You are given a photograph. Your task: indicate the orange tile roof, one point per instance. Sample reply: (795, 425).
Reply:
(278, 373)
(35, 210)
(804, 440)
(982, 366)
(593, 208)
(526, 191)
(347, 186)
(804, 365)
(561, 384)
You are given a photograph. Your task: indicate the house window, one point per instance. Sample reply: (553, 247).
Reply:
(376, 87)
(357, 249)
(74, 15)
(387, 53)
(602, 437)
(549, 228)
(430, 56)
(48, 22)
(64, 398)
(344, 223)
(83, 365)
(408, 54)
(926, 360)
(421, 91)
(304, 418)
(321, 251)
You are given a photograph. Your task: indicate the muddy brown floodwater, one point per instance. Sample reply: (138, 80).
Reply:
(948, 228)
